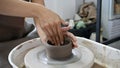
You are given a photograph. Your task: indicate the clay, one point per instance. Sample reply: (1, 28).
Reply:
(62, 52)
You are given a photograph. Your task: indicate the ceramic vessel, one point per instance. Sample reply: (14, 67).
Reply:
(59, 52)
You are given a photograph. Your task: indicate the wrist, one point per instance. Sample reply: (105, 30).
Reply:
(38, 10)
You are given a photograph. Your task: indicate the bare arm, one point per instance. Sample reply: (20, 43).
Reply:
(20, 8)
(47, 22)
(50, 29)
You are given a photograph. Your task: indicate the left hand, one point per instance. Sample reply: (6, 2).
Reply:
(44, 39)
(70, 35)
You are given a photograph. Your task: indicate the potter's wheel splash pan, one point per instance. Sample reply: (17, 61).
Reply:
(82, 58)
(31, 54)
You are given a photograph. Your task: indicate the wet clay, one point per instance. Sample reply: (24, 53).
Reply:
(61, 52)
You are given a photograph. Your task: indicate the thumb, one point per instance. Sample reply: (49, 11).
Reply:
(40, 32)
(65, 28)
(73, 38)
(42, 35)
(64, 23)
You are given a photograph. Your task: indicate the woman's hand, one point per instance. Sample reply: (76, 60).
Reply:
(65, 32)
(49, 28)
(50, 23)
(69, 35)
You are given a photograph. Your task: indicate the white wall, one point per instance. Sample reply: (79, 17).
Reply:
(78, 3)
(65, 8)
(95, 1)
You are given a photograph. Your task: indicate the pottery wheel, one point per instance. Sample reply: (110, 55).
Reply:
(82, 58)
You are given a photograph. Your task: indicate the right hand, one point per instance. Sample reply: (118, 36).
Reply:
(50, 25)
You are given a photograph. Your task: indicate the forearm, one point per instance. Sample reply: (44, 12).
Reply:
(38, 2)
(21, 8)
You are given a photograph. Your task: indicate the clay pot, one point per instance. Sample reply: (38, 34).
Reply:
(61, 52)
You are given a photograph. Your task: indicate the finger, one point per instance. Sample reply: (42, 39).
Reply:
(57, 30)
(65, 28)
(74, 44)
(64, 23)
(73, 38)
(60, 33)
(53, 35)
(42, 34)
(49, 33)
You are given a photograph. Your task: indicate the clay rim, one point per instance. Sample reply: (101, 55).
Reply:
(67, 43)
